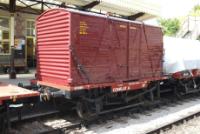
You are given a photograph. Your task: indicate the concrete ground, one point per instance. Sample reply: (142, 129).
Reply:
(22, 78)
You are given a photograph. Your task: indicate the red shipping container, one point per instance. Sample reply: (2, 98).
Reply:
(77, 48)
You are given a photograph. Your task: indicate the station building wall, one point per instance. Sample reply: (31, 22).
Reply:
(24, 31)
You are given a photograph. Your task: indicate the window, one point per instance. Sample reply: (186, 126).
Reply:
(4, 35)
(30, 42)
(30, 28)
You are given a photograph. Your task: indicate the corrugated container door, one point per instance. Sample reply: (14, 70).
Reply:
(53, 40)
(151, 52)
(99, 47)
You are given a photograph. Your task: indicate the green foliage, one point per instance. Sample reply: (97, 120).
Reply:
(198, 38)
(170, 26)
(195, 11)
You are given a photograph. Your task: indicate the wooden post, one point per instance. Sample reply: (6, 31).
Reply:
(12, 5)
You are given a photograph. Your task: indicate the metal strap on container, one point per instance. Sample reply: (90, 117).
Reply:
(146, 41)
(79, 66)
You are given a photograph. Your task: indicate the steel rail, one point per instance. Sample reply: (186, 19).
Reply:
(61, 130)
(170, 125)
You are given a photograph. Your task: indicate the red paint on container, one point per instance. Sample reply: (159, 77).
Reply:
(75, 48)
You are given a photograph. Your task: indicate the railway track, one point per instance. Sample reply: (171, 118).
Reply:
(103, 117)
(60, 127)
(181, 116)
(49, 124)
(63, 129)
(177, 122)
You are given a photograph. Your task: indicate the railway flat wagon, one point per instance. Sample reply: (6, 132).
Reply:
(13, 98)
(84, 53)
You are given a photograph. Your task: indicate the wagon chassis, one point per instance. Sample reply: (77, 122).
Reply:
(93, 102)
(110, 102)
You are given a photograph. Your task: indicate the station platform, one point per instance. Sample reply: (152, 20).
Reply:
(21, 78)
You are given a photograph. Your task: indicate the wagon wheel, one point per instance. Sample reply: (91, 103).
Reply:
(83, 110)
(177, 93)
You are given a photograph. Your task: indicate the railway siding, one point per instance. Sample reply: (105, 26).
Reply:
(147, 123)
